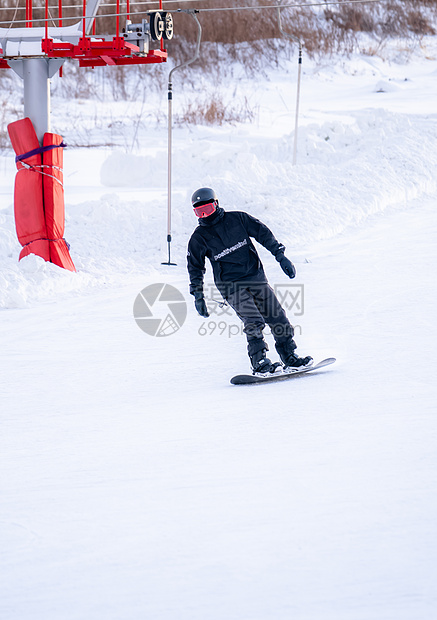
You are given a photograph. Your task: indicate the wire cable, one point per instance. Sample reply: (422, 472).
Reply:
(285, 6)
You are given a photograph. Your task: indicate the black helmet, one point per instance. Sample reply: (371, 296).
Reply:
(202, 196)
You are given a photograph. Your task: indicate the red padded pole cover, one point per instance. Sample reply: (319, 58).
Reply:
(28, 193)
(53, 187)
(54, 209)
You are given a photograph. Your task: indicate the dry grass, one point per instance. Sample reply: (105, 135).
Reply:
(213, 111)
(393, 17)
(323, 30)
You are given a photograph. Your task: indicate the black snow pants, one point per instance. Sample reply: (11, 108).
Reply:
(256, 305)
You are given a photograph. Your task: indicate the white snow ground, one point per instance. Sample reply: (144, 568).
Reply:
(136, 482)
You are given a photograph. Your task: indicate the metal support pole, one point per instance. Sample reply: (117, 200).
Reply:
(37, 94)
(191, 12)
(36, 74)
(292, 37)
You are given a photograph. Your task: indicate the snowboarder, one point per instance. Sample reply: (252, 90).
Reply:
(224, 237)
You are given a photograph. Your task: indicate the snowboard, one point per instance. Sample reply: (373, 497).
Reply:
(281, 375)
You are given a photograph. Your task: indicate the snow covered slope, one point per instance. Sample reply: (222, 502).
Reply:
(136, 481)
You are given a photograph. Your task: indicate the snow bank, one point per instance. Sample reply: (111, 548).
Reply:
(347, 171)
(109, 237)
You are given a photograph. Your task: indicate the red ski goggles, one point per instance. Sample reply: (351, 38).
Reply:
(205, 210)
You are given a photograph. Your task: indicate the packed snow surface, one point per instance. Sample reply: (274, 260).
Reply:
(136, 482)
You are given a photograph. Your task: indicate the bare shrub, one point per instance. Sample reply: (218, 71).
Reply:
(396, 18)
(351, 18)
(323, 31)
(77, 83)
(419, 24)
(214, 111)
(233, 26)
(8, 110)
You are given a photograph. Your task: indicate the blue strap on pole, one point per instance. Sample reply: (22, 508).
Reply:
(39, 150)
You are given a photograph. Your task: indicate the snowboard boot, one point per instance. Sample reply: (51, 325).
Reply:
(288, 356)
(293, 361)
(261, 364)
(257, 353)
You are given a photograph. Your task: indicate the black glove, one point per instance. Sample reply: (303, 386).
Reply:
(287, 267)
(199, 302)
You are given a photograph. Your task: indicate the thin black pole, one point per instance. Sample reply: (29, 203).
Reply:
(299, 74)
(191, 12)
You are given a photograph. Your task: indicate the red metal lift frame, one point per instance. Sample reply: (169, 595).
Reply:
(92, 53)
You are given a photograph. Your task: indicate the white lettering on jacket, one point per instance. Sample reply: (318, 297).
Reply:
(227, 251)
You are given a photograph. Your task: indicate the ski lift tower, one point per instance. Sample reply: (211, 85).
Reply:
(36, 53)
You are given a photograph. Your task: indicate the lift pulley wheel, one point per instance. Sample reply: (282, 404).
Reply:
(157, 26)
(168, 32)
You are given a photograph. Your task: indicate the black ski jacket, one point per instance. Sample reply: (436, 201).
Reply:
(225, 239)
